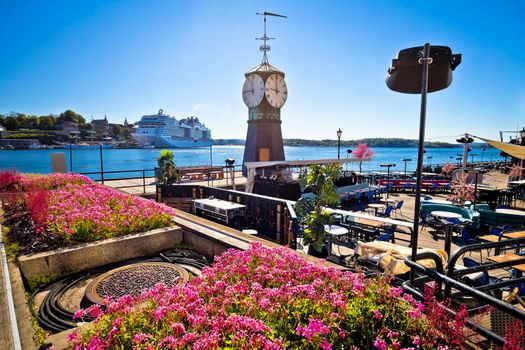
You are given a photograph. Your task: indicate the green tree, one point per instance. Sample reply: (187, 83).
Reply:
(320, 179)
(70, 116)
(11, 123)
(117, 129)
(46, 122)
(2, 119)
(166, 165)
(33, 121)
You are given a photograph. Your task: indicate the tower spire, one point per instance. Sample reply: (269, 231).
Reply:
(265, 47)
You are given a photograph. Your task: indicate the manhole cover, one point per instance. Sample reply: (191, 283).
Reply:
(133, 279)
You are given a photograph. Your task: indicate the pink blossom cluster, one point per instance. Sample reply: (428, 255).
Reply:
(11, 181)
(87, 212)
(264, 298)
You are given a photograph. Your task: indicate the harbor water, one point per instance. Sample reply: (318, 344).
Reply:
(88, 160)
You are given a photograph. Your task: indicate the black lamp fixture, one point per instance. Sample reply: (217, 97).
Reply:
(339, 134)
(420, 70)
(465, 140)
(229, 161)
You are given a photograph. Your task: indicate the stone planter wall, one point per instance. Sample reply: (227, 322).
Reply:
(89, 255)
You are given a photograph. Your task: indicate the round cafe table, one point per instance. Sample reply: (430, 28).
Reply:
(446, 214)
(389, 200)
(334, 230)
(510, 211)
(438, 201)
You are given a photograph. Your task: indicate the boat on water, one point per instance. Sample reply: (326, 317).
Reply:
(85, 145)
(163, 130)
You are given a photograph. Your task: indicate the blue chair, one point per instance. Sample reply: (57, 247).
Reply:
(406, 186)
(398, 207)
(386, 237)
(507, 228)
(448, 187)
(482, 280)
(434, 188)
(502, 206)
(427, 198)
(468, 240)
(386, 213)
(496, 231)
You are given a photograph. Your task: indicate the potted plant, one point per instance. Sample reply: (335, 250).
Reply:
(166, 172)
(320, 179)
(463, 191)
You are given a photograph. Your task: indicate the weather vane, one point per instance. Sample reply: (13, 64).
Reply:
(264, 47)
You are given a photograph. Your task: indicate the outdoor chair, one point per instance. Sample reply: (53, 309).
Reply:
(468, 240)
(386, 237)
(502, 206)
(484, 279)
(427, 198)
(434, 188)
(386, 213)
(397, 208)
(363, 208)
(507, 228)
(406, 186)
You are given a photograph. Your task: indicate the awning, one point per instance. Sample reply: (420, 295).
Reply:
(516, 151)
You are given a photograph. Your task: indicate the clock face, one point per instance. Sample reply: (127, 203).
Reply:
(276, 91)
(253, 90)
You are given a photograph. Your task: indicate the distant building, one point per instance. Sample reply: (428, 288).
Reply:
(101, 126)
(66, 128)
(3, 131)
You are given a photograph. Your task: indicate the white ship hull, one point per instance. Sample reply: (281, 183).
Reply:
(163, 131)
(166, 142)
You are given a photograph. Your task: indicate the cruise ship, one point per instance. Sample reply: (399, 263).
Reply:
(163, 130)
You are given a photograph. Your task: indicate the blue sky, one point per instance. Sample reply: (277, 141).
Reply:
(129, 58)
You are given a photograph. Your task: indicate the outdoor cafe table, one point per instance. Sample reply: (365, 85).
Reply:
(510, 257)
(448, 228)
(334, 230)
(376, 206)
(437, 201)
(389, 200)
(510, 211)
(515, 234)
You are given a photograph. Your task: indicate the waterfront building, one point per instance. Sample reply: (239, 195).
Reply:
(3, 131)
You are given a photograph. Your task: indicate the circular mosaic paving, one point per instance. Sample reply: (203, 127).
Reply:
(133, 279)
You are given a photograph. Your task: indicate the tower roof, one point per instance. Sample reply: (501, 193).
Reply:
(264, 67)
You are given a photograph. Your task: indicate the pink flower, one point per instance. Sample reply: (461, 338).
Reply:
(325, 345)
(380, 344)
(416, 340)
(377, 315)
(78, 314)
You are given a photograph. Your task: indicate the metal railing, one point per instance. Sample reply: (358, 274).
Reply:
(231, 173)
(456, 287)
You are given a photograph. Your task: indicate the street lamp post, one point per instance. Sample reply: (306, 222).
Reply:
(409, 73)
(388, 166)
(429, 161)
(406, 160)
(472, 157)
(339, 133)
(348, 151)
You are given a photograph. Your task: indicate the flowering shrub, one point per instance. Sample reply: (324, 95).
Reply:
(11, 181)
(515, 171)
(90, 212)
(57, 209)
(463, 191)
(362, 152)
(447, 168)
(264, 298)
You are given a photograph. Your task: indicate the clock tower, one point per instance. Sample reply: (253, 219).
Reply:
(264, 92)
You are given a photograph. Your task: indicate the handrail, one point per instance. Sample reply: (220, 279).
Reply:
(449, 282)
